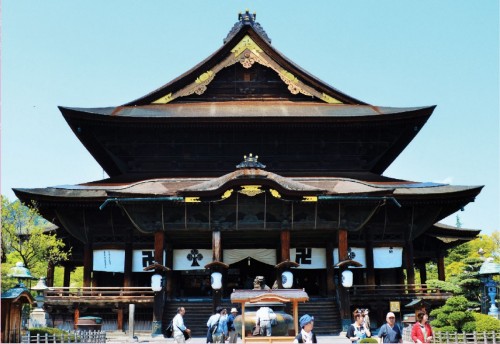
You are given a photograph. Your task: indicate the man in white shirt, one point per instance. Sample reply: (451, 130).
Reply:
(263, 320)
(179, 328)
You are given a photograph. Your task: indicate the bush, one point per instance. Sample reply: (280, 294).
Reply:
(60, 335)
(368, 340)
(449, 329)
(486, 323)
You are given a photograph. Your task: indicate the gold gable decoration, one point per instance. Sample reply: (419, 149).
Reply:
(251, 190)
(247, 52)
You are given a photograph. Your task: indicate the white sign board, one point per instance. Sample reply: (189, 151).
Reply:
(109, 260)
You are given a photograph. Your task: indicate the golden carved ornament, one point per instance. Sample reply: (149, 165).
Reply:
(250, 190)
(227, 194)
(275, 193)
(309, 198)
(246, 43)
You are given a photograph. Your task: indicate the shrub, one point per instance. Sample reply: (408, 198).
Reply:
(60, 335)
(486, 323)
(449, 329)
(368, 340)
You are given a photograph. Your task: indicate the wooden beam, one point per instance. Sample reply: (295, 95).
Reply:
(127, 275)
(343, 245)
(440, 266)
(330, 271)
(410, 269)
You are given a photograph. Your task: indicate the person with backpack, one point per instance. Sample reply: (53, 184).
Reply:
(217, 326)
(233, 334)
(306, 335)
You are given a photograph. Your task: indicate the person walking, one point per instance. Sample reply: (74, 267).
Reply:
(358, 330)
(306, 335)
(217, 326)
(421, 331)
(233, 335)
(390, 332)
(179, 328)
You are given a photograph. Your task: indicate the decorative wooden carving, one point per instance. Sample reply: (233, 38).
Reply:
(247, 52)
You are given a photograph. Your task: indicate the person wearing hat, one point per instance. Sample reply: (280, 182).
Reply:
(217, 326)
(306, 335)
(233, 335)
(390, 332)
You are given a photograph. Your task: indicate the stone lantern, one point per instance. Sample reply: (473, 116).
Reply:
(489, 269)
(38, 317)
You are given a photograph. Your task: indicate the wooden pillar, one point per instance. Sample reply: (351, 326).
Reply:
(76, 316)
(217, 257)
(410, 269)
(119, 319)
(345, 308)
(285, 245)
(343, 245)
(216, 246)
(160, 295)
(330, 271)
(67, 276)
(440, 266)
(169, 264)
(88, 265)
(127, 269)
(284, 254)
(50, 275)
(370, 269)
(423, 272)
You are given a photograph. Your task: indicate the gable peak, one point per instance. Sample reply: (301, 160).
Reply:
(247, 19)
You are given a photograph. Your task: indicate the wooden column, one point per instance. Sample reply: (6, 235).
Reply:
(285, 245)
(410, 269)
(345, 309)
(284, 254)
(423, 272)
(50, 275)
(343, 245)
(88, 265)
(160, 295)
(127, 275)
(217, 257)
(169, 264)
(370, 269)
(76, 316)
(216, 246)
(67, 276)
(330, 271)
(440, 266)
(119, 319)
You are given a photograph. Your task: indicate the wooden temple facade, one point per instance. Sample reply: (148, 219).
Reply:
(186, 190)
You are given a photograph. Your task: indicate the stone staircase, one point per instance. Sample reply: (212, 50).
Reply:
(325, 311)
(326, 315)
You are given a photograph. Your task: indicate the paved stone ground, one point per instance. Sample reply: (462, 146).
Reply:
(146, 338)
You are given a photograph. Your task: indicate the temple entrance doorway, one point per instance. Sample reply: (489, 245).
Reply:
(241, 274)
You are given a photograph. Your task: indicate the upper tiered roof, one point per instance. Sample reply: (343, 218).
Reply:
(246, 96)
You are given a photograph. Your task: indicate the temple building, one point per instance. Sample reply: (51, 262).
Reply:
(246, 164)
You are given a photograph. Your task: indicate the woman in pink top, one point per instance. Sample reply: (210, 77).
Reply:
(421, 332)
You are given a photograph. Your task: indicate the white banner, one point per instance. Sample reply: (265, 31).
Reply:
(309, 258)
(264, 255)
(387, 257)
(144, 258)
(191, 259)
(355, 253)
(109, 260)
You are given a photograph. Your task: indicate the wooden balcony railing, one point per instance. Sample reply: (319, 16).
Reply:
(406, 291)
(98, 295)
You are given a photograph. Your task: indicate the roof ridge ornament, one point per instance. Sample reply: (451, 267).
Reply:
(247, 18)
(250, 161)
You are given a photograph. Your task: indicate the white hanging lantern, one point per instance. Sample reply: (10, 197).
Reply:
(347, 278)
(287, 279)
(156, 282)
(216, 280)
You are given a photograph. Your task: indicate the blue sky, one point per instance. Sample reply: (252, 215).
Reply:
(389, 53)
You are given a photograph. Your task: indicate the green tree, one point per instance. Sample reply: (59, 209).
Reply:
(453, 316)
(25, 238)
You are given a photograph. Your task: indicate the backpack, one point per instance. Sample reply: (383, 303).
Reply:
(168, 332)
